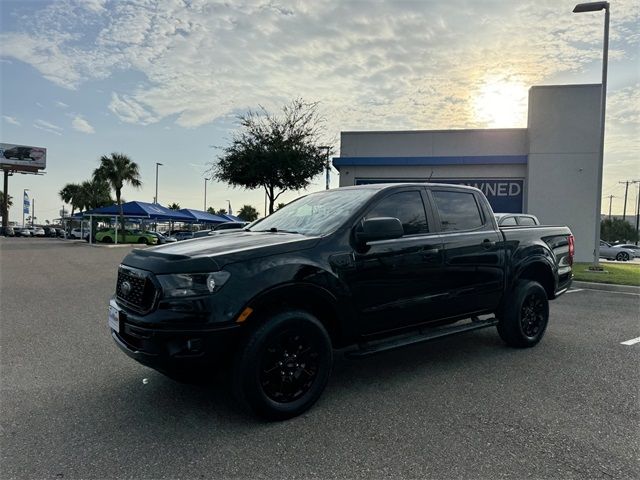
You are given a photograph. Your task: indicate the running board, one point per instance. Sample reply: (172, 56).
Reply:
(425, 335)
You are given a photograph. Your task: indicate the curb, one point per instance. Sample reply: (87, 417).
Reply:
(607, 287)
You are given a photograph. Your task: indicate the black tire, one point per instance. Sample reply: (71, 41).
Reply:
(524, 318)
(143, 241)
(107, 239)
(283, 366)
(622, 257)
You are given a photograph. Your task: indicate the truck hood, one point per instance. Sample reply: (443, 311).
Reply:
(214, 252)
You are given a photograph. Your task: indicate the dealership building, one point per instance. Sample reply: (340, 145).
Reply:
(548, 169)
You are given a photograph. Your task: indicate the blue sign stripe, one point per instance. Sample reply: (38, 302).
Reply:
(465, 160)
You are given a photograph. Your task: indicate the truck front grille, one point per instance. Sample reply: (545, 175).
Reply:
(135, 289)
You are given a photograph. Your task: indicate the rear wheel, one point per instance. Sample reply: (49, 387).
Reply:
(143, 240)
(283, 366)
(107, 239)
(525, 316)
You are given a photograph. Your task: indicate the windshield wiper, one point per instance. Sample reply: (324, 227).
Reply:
(276, 230)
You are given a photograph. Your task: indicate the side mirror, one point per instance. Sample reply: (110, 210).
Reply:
(382, 228)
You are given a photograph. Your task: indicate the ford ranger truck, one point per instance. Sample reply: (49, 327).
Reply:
(368, 268)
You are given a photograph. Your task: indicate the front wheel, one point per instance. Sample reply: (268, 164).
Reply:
(283, 366)
(622, 257)
(143, 241)
(525, 316)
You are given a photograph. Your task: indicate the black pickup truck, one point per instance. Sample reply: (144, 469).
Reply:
(370, 267)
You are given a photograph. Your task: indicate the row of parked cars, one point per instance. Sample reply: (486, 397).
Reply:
(32, 232)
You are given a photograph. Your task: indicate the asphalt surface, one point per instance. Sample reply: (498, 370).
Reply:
(73, 406)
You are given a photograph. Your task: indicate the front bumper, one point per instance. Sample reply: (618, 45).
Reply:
(176, 351)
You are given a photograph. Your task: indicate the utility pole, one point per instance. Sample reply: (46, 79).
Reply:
(205, 193)
(5, 205)
(33, 210)
(155, 199)
(611, 197)
(626, 190)
(637, 207)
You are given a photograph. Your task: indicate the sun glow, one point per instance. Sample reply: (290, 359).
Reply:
(501, 103)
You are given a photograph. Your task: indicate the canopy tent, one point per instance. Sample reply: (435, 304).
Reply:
(232, 218)
(200, 216)
(152, 211)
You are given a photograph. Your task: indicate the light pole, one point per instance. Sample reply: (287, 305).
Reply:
(155, 199)
(205, 193)
(327, 167)
(229, 209)
(596, 7)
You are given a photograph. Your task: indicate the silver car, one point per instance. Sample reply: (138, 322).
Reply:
(615, 253)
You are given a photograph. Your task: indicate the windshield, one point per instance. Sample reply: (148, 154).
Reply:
(316, 214)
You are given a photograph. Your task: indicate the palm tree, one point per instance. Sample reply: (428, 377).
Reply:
(9, 201)
(117, 170)
(70, 194)
(174, 206)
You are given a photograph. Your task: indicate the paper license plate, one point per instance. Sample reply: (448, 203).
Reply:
(114, 318)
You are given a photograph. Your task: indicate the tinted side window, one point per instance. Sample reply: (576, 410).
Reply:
(405, 206)
(458, 210)
(526, 221)
(507, 221)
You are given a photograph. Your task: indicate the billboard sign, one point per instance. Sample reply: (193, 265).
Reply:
(22, 157)
(504, 194)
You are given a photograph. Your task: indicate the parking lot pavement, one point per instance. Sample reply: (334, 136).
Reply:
(74, 406)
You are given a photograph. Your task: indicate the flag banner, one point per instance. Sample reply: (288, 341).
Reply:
(26, 203)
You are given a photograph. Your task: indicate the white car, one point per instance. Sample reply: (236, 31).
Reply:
(39, 232)
(77, 233)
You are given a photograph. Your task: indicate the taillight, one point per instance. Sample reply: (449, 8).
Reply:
(572, 249)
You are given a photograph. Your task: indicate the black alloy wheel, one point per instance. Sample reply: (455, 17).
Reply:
(283, 365)
(289, 366)
(523, 319)
(532, 314)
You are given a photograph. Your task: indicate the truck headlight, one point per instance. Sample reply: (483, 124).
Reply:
(192, 284)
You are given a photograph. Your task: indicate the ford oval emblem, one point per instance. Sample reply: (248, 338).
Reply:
(126, 288)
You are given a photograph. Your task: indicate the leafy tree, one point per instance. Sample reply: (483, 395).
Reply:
(280, 205)
(617, 230)
(70, 194)
(211, 210)
(248, 213)
(174, 206)
(274, 152)
(222, 211)
(118, 170)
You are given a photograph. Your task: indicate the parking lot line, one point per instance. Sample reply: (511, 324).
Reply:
(631, 342)
(574, 290)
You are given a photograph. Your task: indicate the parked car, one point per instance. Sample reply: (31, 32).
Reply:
(201, 233)
(39, 232)
(61, 233)
(129, 236)
(8, 232)
(230, 225)
(375, 267)
(515, 219)
(79, 233)
(50, 232)
(183, 235)
(615, 253)
(629, 246)
(27, 232)
(162, 239)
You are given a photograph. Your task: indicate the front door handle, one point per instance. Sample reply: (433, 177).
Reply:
(486, 243)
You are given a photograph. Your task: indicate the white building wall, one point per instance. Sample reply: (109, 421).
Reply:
(434, 143)
(564, 140)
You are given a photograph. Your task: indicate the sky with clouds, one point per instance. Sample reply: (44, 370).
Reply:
(163, 81)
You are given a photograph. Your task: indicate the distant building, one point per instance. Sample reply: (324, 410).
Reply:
(548, 169)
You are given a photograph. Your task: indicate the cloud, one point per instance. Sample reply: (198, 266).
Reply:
(129, 110)
(48, 127)
(80, 124)
(60, 104)
(11, 120)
